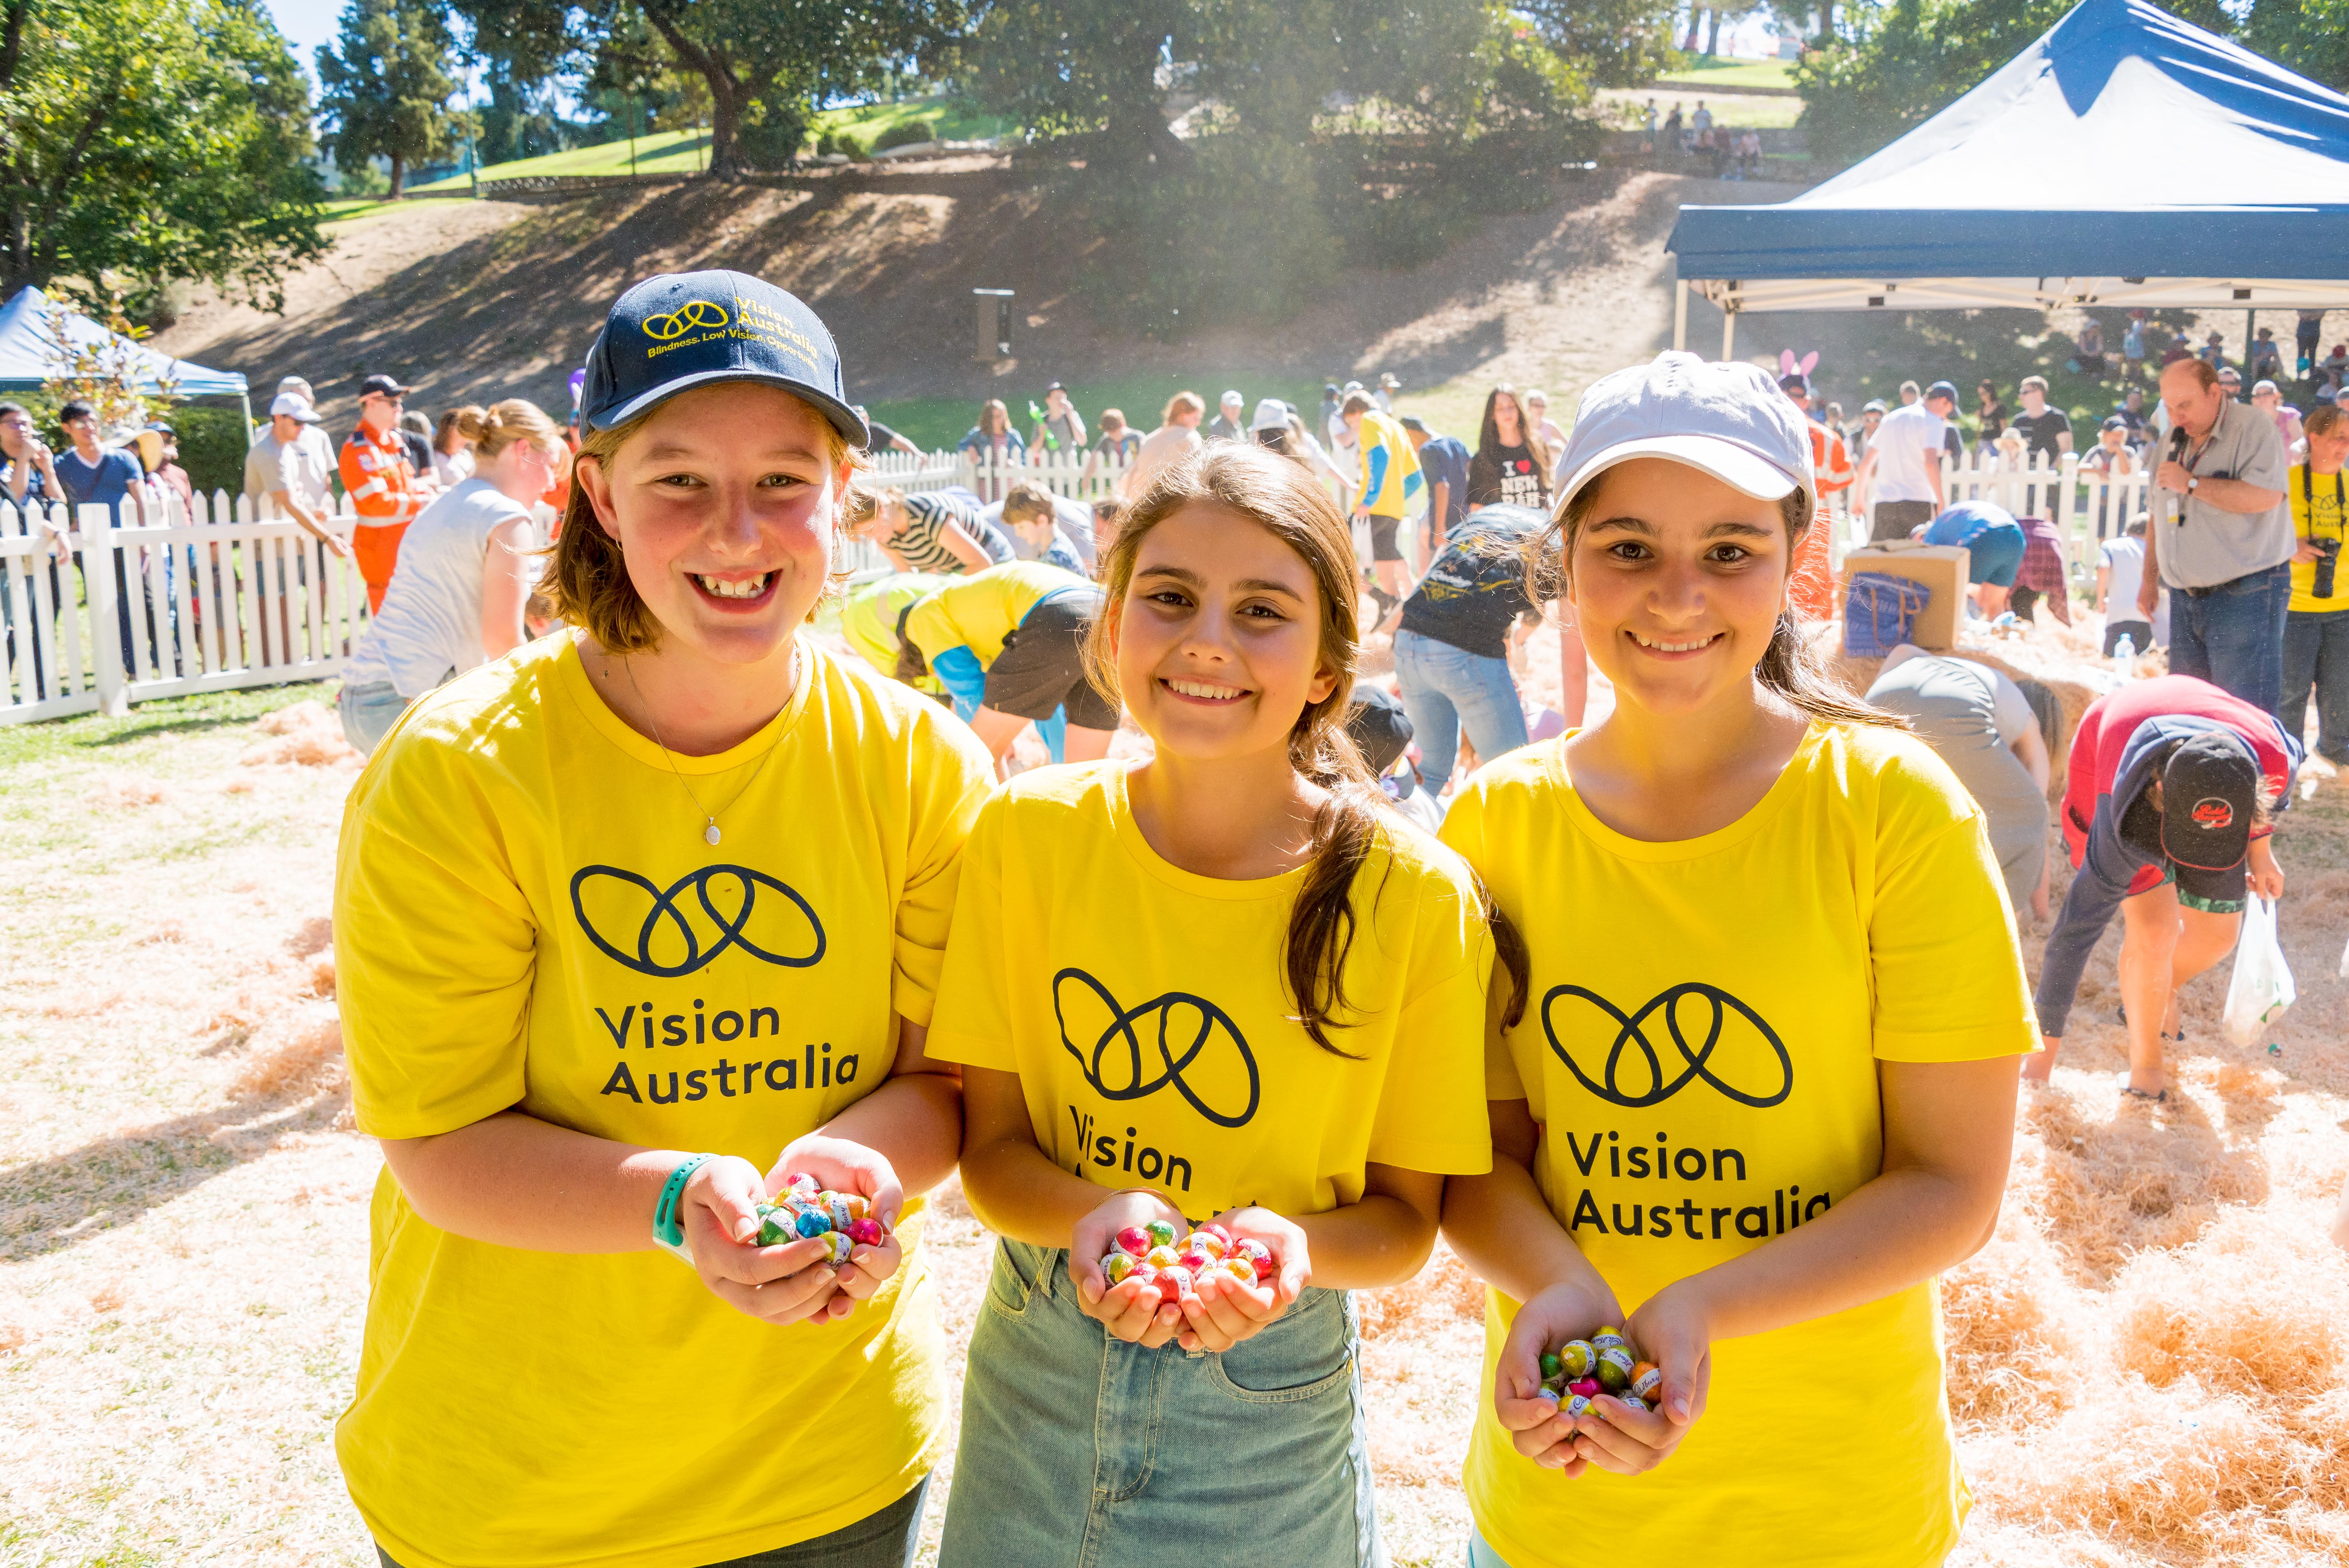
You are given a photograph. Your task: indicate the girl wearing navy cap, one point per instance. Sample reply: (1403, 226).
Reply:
(1763, 1089)
(632, 924)
(2168, 808)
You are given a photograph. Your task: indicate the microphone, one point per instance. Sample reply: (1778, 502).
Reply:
(2178, 439)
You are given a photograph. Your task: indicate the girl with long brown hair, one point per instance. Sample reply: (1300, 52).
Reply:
(1224, 985)
(1764, 1087)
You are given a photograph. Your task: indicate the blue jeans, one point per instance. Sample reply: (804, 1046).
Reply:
(2232, 634)
(368, 712)
(1447, 688)
(2316, 657)
(1079, 1450)
(882, 1539)
(1480, 1551)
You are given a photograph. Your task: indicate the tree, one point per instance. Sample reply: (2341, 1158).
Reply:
(1072, 69)
(152, 141)
(387, 85)
(1611, 43)
(2312, 36)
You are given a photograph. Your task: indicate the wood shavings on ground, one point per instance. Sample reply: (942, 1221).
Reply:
(2148, 1362)
(308, 733)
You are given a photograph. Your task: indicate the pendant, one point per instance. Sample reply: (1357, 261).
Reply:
(709, 835)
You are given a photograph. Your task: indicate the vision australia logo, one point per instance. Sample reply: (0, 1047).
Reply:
(1191, 1043)
(704, 314)
(654, 930)
(1655, 1080)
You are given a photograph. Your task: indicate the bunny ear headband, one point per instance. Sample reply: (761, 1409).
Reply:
(1790, 366)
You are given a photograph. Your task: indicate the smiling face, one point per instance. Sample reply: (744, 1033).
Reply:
(1219, 638)
(724, 502)
(1676, 583)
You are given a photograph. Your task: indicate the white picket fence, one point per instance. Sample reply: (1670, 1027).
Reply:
(196, 602)
(2086, 507)
(205, 612)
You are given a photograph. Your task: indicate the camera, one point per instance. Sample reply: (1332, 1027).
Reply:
(2328, 557)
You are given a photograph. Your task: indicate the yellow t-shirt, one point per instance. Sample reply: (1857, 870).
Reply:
(1145, 1010)
(1700, 1048)
(2317, 514)
(526, 916)
(980, 610)
(868, 618)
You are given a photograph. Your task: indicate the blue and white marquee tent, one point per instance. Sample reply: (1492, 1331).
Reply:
(28, 355)
(2126, 159)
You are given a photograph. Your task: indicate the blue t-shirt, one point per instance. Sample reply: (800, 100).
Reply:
(1475, 590)
(104, 484)
(1444, 461)
(1967, 522)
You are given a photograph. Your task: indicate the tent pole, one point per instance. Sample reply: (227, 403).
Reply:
(1728, 334)
(1679, 314)
(245, 399)
(2249, 330)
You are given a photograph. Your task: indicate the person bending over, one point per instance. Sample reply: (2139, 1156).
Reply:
(1993, 542)
(2166, 815)
(1008, 643)
(1980, 723)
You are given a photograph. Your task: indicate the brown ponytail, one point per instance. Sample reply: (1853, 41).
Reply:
(1789, 669)
(1280, 497)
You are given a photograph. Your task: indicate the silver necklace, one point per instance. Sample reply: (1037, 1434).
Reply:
(709, 834)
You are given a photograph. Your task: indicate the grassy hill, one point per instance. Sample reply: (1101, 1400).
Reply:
(686, 152)
(1731, 75)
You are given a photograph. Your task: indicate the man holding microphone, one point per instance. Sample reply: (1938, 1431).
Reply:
(2222, 538)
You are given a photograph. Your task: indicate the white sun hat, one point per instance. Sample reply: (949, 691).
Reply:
(1729, 421)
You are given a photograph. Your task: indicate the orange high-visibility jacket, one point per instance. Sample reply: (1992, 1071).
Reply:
(1830, 459)
(378, 479)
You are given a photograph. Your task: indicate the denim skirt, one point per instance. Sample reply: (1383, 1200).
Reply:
(1079, 1450)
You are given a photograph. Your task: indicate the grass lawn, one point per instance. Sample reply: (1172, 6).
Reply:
(1728, 76)
(350, 209)
(935, 422)
(686, 152)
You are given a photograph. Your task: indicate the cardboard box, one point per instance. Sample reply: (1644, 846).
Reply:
(1942, 569)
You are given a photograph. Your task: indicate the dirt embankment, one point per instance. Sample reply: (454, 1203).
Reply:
(475, 300)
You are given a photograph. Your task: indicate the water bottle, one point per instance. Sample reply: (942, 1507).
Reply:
(2125, 657)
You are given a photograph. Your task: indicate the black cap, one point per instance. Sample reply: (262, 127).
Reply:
(689, 329)
(2209, 787)
(384, 385)
(1380, 728)
(2115, 422)
(1413, 423)
(1054, 387)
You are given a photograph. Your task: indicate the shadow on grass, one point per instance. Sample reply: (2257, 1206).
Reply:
(187, 725)
(54, 1204)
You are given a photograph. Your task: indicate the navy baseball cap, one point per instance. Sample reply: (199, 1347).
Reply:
(2209, 788)
(693, 329)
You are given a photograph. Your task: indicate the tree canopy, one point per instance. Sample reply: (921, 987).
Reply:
(161, 141)
(387, 85)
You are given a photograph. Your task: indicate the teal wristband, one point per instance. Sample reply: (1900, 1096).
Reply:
(668, 1232)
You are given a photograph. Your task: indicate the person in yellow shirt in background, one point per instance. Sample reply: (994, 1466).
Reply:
(872, 613)
(2317, 624)
(1763, 1091)
(385, 490)
(1229, 985)
(673, 880)
(1008, 643)
(1384, 484)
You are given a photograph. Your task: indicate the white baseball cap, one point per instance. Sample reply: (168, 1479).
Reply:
(294, 405)
(1271, 414)
(1232, 400)
(1729, 421)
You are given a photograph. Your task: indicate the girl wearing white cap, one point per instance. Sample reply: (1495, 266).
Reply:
(1763, 1091)
(632, 925)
